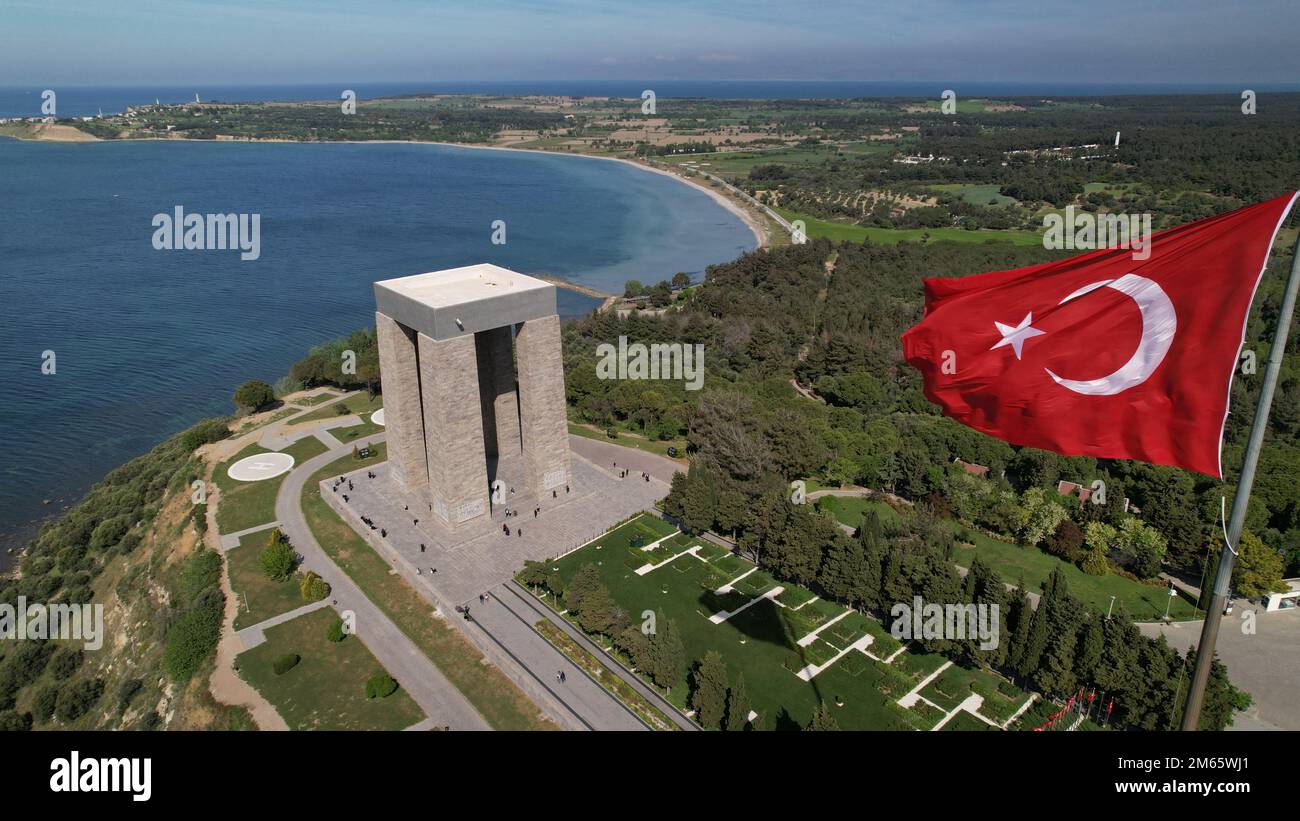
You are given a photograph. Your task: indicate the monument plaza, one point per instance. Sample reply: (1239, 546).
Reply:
(479, 475)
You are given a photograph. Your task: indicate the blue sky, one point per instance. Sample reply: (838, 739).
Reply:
(97, 42)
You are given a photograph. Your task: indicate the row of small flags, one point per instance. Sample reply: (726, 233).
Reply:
(1080, 704)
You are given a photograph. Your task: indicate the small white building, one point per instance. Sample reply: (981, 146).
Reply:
(1288, 598)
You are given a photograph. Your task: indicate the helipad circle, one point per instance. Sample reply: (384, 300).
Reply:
(260, 466)
(377, 417)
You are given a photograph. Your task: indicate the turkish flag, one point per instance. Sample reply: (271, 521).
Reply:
(1103, 354)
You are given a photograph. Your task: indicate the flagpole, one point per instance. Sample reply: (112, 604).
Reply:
(1240, 499)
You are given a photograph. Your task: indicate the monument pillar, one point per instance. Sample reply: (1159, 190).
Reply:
(453, 428)
(403, 417)
(457, 391)
(541, 405)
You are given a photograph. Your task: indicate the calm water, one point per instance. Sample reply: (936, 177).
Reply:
(148, 342)
(85, 101)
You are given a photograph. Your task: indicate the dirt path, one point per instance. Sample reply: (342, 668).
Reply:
(225, 684)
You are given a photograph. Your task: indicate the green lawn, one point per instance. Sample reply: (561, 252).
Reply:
(850, 509)
(248, 504)
(1144, 602)
(856, 233)
(956, 684)
(326, 690)
(487, 688)
(259, 598)
(762, 641)
(361, 404)
(358, 404)
(966, 722)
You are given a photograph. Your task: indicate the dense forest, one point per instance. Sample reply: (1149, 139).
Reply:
(799, 313)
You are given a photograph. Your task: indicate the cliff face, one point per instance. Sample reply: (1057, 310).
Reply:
(132, 552)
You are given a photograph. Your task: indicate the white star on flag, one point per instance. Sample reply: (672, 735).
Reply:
(1015, 337)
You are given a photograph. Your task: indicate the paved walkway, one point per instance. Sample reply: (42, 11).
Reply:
(229, 541)
(649, 693)
(504, 633)
(481, 555)
(482, 561)
(809, 672)
(914, 694)
(255, 635)
(605, 454)
(421, 679)
(507, 620)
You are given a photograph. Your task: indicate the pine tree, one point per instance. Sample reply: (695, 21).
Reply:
(667, 660)
(584, 582)
(873, 562)
(738, 705)
(822, 720)
(700, 501)
(710, 695)
(1039, 631)
(1022, 617)
(1092, 643)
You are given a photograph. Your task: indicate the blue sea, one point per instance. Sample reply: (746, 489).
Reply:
(85, 101)
(150, 341)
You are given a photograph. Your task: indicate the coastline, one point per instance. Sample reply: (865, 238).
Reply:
(15, 539)
(751, 220)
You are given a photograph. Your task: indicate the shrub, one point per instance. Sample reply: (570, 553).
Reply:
(44, 702)
(29, 661)
(380, 685)
(336, 633)
(286, 385)
(254, 394)
(205, 432)
(75, 700)
(313, 588)
(190, 641)
(276, 559)
(199, 515)
(11, 722)
(126, 692)
(1095, 563)
(201, 574)
(65, 662)
(285, 663)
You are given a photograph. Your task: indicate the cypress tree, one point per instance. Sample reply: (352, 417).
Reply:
(710, 695)
(738, 705)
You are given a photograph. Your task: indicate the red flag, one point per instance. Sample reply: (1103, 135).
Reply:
(1103, 354)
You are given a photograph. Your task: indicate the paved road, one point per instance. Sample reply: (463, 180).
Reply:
(1265, 664)
(604, 454)
(424, 682)
(529, 604)
(507, 621)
